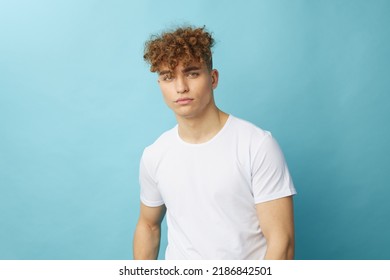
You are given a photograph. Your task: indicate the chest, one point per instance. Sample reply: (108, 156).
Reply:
(213, 176)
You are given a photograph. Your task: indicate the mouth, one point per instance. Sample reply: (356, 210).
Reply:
(184, 101)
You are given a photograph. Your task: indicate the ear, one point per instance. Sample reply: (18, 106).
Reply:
(214, 78)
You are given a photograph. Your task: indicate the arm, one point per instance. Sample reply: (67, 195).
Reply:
(276, 220)
(147, 234)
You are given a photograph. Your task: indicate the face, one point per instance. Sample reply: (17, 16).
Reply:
(188, 91)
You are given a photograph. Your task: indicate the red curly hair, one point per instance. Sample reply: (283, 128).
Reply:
(185, 44)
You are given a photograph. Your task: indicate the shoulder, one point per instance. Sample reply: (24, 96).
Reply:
(259, 143)
(246, 129)
(163, 143)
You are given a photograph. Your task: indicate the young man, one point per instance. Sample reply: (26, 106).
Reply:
(222, 181)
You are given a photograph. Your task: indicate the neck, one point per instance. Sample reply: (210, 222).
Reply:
(202, 128)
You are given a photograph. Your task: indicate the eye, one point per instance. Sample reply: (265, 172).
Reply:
(167, 77)
(192, 74)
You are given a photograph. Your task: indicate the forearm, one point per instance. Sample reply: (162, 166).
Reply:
(146, 242)
(280, 249)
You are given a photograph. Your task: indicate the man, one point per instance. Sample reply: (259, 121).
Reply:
(222, 181)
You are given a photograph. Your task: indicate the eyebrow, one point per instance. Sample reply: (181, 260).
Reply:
(185, 70)
(190, 68)
(165, 72)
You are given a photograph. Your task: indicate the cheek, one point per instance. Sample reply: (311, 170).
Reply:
(164, 91)
(206, 87)
(208, 83)
(167, 97)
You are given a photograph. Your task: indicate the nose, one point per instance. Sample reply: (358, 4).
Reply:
(181, 84)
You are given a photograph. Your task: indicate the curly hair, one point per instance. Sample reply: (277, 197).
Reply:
(185, 44)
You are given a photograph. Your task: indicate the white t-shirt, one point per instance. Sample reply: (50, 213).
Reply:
(210, 190)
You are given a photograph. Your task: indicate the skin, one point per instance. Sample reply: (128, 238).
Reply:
(198, 117)
(276, 220)
(188, 92)
(147, 234)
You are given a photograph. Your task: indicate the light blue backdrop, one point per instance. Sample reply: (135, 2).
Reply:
(78, 105)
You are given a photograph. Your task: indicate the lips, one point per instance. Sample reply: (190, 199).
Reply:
(183, 101)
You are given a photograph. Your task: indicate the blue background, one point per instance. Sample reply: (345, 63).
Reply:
(78, 105)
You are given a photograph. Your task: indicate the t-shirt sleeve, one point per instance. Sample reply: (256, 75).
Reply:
(270, 175)
(150, 195)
